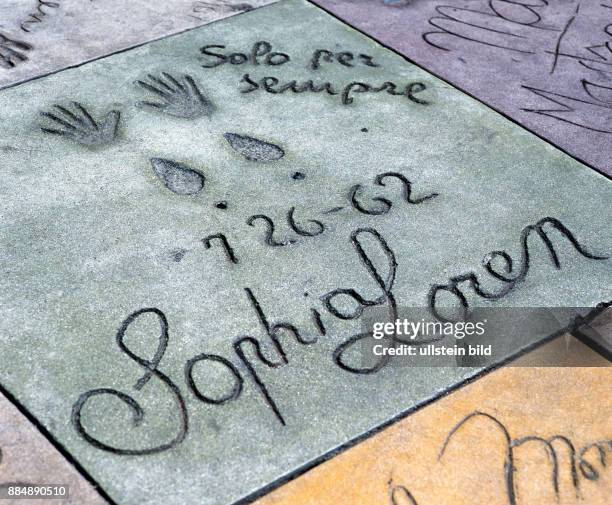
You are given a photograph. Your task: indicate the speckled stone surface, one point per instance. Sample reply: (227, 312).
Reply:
(545, 63)
(27, 458)
(453, 452)
(42, 36)
(564, 351)
(598, 332)
(151, 318)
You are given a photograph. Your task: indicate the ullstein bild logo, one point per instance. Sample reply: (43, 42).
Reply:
(429, 331)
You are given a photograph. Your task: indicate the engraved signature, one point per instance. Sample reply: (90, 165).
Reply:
(249, 350)
(43, 8)
(585, 463)
(262, 53)
(12, 51)
(520, 28)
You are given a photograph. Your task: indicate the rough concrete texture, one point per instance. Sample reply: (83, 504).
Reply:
(546, 64)
(42, 36)
(155, 331)
(598, 331)
(27, 458)
(566, 351)
(454, 451)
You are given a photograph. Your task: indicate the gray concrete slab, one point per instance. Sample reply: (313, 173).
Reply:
(38, 37)
(183, 350)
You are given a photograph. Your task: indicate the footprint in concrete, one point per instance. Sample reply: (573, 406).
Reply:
(253, 149)
(177, 177)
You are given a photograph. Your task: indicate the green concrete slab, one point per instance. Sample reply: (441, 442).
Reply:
(183, 352)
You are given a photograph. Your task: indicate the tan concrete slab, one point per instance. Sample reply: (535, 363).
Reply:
(188, 274)
(561, 352)
(455, 451)
(28, 458)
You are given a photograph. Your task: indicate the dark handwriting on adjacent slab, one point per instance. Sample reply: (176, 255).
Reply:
(522, 29)
(582, 111)
(12, 51)
(42, 9)
(585, 463)
(506, 25)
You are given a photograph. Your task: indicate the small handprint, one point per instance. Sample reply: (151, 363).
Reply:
(179, 98)
(80, 127)
(517, 28)
(12, 51)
